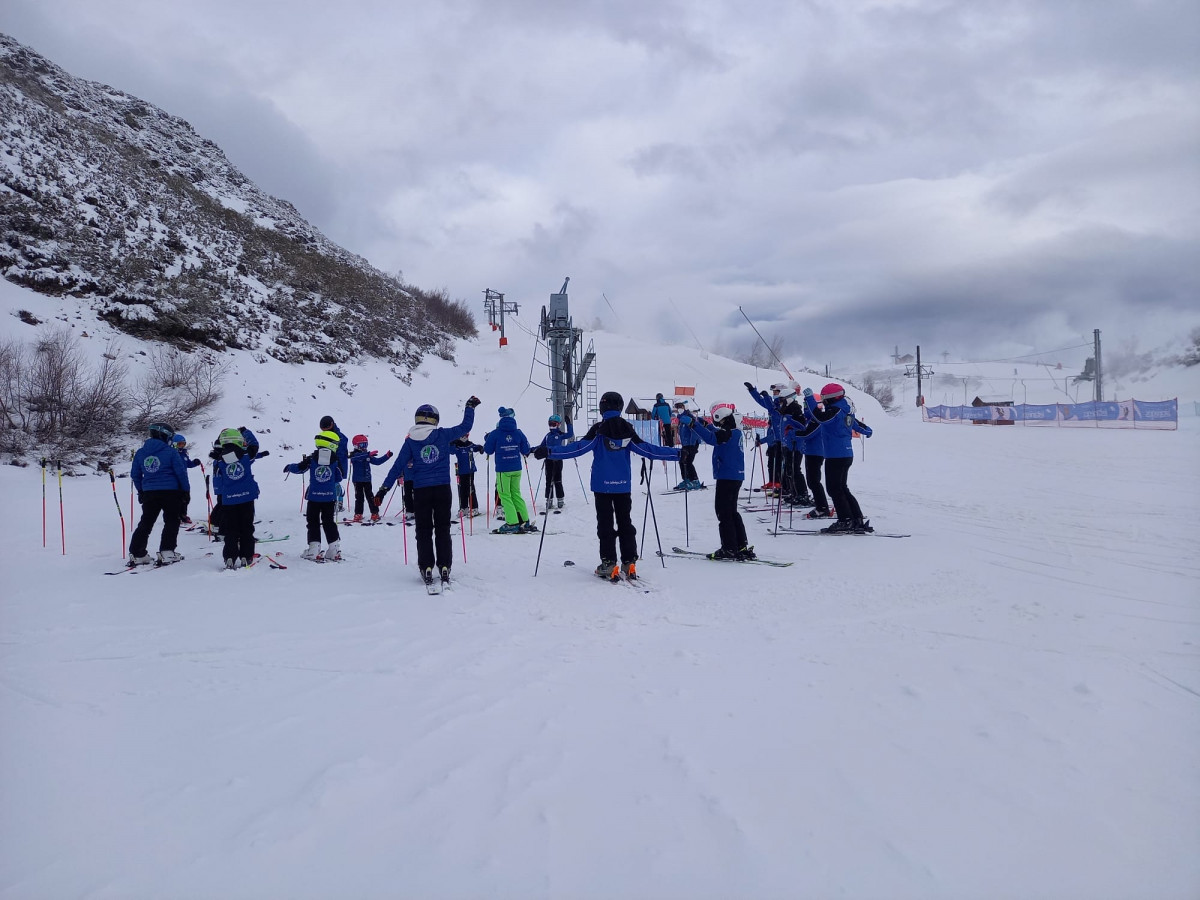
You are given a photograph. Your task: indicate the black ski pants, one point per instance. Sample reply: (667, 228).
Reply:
(613, 523)
(729, 521)
(238, 530)
(554, 485)
(320, 514)
(794, 485)
(812, 468)
(170, 504)
(466, 492)
(837, 473)
(667, 433)
(431, 506)
(687, 462)
(363, 492)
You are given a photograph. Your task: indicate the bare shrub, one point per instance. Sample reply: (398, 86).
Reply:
(880, 390)
(179, 388)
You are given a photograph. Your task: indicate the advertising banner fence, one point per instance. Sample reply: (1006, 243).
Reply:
(1160, 415)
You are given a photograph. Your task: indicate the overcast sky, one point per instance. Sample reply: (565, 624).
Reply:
(981, 177)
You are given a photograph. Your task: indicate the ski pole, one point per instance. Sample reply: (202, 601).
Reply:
(391, 494)
(113, 478)
(207, 495)
(750, 483)
(487, 484)
(462, 531)
(529, 481)
(541, 540)
(582, 487)
(654, 519)
(43, 501)
(538, 489)
(61, 522)
(404, 526)
(687, 537)
(645, 479)
(132, 453)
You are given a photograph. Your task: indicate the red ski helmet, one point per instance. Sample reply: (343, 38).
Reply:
(833, 391)
(360, 440)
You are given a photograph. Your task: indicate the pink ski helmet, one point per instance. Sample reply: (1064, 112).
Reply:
(833, 391)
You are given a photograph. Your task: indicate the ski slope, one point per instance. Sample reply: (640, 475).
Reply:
(1006, 704)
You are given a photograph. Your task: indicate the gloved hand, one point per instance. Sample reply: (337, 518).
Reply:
(472, 401)
(749, 387)
(540, 452)
(139, 498)
(287, 468)
(259, 454)
(388, 455)
(808, 392)
(380, 495)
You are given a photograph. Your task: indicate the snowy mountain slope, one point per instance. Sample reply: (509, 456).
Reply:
(1002, 705)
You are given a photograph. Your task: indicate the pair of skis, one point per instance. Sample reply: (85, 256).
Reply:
(680, 553)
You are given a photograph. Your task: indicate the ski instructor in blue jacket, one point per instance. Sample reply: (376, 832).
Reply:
(427, 449)
(161, 480)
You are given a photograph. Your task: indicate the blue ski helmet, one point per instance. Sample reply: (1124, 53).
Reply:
(427, 414)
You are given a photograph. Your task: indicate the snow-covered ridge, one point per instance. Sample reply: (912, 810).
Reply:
(108, 199)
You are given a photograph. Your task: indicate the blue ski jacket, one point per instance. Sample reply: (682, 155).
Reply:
(324, 479)
(558, 437)
(774, 429)
(234, 481)
(157, 466)
(464, 453)
(188, 462)
(661, 410)
(427, 449)
(361, 462)
(508, 443)
(610, 442)
(687, 434)
(836, 424)
(728, 460)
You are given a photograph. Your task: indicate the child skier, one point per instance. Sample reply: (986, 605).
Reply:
(343, 456)
(689, 446)
(233, 480)
(510, 447)
(464, 453)
(250, 449)
(561, 432)
(610, 442)
(427, 450)
(324, 476)
(837, 424)
(160, 478)
(179, 442)
(729, 470)
(361, 461)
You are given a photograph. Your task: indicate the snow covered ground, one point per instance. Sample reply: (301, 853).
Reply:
(1006, 704)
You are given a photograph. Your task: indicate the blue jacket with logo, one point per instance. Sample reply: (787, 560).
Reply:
(836, 425)
(774, 429)
(728, 460)
(188, 462)
(361, 462)
(157, 466)
(509, 444)
(234, 481)
(610, 442)
(687, 434)
(427, 448)
(557, 437)
(464, 454)
(323, 480)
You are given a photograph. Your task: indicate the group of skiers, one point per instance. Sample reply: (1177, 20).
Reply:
(816, 429)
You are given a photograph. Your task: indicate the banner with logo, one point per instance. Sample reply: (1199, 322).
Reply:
(1162, 415)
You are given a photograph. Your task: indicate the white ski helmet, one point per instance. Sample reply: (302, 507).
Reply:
(722, 411)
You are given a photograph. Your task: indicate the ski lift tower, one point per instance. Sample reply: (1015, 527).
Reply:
(569, 363)
(497, 306)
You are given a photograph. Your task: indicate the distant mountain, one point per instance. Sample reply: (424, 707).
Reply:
(109, 199)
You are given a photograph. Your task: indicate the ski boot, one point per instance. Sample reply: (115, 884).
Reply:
(629, 570)
(560, 503)
(684, 485)
(334, 551)
(313, 551)
(862, 526)
(185, 521)
(166, 557)
(722, 553)
(231, 563)
(527, 528)
(509, 529)
(819, 514)
(745, 554)
(357, 518)
(376, 517)
(841, 526)
(143, 560)
(427, 574)
(609, 569)
(445, 576)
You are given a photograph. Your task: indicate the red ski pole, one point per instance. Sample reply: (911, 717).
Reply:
(529, 481)
(404, 526)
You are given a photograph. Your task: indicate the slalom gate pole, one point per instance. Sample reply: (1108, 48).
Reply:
(404, 526)
(645, 509)
(44, 501)
(687, 536)
(62, 524)
(529, 481)
(766, 476)
(462, 531)
(581, 485)
(113, 478)
(750, 483)
(654, 519)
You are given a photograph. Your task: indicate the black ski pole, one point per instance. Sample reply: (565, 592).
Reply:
(750, 483)
(581, 485)
(62, 524)
(541, 541)
(43, 501)
(113, 479)
(645, 509)
(654, 519)
(687, 537)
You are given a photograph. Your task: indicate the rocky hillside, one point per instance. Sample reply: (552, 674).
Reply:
(108, 199)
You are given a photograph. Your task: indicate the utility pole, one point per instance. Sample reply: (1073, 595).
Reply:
(919, 372)
(497, 306)
(1098, 395)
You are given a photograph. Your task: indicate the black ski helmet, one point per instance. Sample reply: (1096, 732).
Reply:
(327, 423)
(163, 432)
(611, 401)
